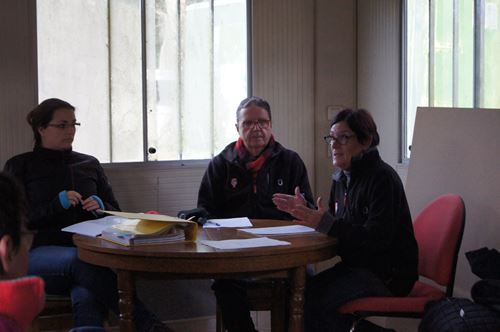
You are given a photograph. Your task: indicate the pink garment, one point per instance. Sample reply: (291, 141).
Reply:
(21, 300)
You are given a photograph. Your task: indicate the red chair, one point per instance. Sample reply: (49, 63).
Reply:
(438, 229)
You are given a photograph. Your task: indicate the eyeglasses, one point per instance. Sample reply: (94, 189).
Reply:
(342, 139)
(64, 126)
(263, 124)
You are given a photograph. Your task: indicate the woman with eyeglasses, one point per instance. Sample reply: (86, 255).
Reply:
(369, 215)
(65, 187)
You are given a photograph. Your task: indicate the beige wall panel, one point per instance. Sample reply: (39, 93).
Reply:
(161, 187)
(335, 80)
(283, 70)
(18, 88)
(379, 70)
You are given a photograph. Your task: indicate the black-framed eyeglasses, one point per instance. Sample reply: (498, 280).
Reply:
(262, 123)
(341, 139)
(64, 126)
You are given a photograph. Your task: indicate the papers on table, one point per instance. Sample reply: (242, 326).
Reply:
(281, 230)
(93, 227)
(229, 222)
(245, 243)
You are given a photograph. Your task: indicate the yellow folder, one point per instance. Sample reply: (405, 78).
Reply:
(154, 223)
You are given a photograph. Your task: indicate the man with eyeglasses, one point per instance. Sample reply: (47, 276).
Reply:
(240, 182)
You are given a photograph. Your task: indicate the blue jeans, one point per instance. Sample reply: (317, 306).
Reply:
(93, 289)
(330, 289)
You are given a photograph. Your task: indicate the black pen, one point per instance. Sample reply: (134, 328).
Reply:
(212, 223)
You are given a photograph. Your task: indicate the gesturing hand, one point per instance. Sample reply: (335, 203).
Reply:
(296, 206)
(287, 203)
(309, 217)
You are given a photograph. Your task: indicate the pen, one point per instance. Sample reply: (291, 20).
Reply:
(212, 223)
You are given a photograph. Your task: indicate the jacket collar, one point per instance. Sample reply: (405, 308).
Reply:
(360, 163)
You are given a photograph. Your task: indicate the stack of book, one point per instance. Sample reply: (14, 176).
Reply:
(133, 232)
(130, 229)
(144, 229)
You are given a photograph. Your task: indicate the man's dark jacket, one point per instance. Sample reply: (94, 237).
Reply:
(372, 221)
(44, 173)
(226, 190)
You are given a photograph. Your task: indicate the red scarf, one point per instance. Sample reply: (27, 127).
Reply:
(254, 164)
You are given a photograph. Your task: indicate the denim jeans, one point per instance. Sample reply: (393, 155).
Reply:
(330, 289)
(93, 289)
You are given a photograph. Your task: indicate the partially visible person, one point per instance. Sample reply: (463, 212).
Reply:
(368, 213)
(21, 298)
(65, 187)
(240, 182)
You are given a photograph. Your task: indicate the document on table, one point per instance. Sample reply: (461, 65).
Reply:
(93, 227)
(281, 230)
(228, 222)
(244, 243)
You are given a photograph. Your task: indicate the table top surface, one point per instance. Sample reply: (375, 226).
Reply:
(192, 257)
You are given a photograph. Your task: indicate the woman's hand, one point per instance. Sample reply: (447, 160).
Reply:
(287, 203)
(74, 197)
(90, 204)
(297, 208)
(309, 217)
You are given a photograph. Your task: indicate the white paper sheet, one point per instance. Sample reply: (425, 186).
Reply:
(280, 230)
(229, 222)
(93, 227)
(245, 243)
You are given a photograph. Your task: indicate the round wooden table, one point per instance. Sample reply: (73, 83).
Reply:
(182, 260)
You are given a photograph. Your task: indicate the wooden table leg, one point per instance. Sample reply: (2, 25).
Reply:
(297, 287)
(126, 293)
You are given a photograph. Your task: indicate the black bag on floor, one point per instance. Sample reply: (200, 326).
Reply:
(459, 315)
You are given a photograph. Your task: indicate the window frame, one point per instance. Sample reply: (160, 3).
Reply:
(144, 91)
(144, 104)
(478, 65)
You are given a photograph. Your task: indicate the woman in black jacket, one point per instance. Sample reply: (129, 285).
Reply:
(65, 187)
(369, 215)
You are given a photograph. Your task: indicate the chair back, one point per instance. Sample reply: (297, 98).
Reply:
(439, 229)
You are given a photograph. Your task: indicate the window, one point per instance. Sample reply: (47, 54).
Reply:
(450, 47)
(151, 79)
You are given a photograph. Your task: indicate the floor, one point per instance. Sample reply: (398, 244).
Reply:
(203, 324)
(262, 321)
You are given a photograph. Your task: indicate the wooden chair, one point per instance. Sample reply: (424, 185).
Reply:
(57, 315)
(265, 295)
(438, 229)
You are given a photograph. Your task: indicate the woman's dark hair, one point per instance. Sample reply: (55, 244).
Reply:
(253, 101)
(41, 115)
(12, 209)
(361, 123)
